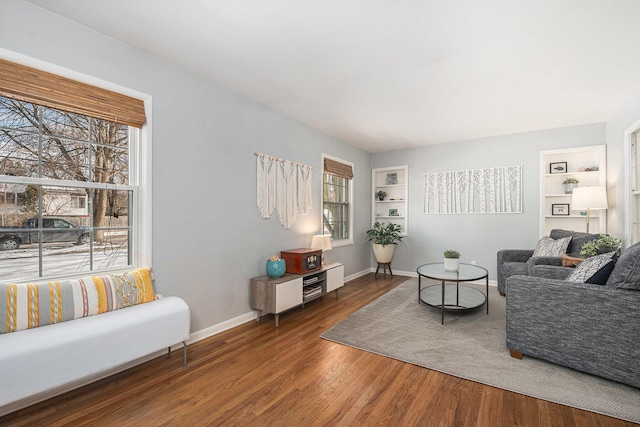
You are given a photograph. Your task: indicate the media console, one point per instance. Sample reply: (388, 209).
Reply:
(276, 295)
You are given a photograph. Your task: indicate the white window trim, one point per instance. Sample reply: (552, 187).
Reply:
(341, 242)
(630, 136)
(142, 240)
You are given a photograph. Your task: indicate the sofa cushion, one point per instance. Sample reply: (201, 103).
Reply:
(591, 267)
(551, 247)
(577, 240)
(29, 305)
(626, 273)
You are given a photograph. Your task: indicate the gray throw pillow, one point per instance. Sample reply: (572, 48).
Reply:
(550, 247)
(589, 267)
(578, 239)
(626, 274)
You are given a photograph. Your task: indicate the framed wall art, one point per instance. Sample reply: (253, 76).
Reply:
(560, 209)
(558, 167)
(489, 190)
(392, 178)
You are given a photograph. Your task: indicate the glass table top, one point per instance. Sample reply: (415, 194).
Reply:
(466, 272)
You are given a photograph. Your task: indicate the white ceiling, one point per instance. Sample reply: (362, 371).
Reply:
(392, 74)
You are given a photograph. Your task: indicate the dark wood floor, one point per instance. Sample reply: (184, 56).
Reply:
(259, 375)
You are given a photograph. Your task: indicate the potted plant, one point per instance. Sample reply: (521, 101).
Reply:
(384, 237)
(602, 245)
(451, 260)
(381, 195)
(569, 185)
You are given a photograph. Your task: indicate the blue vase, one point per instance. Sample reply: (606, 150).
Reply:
(276, 268)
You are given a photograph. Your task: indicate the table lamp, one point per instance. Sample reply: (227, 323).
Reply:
(321, 241)
(589, 198)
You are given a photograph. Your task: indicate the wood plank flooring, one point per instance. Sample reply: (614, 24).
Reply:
(259, 375)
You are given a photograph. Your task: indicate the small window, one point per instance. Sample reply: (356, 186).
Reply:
(337, 200)
(79, 202)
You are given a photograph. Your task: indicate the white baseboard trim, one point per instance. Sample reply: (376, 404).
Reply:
(356, 275)
(221, 327)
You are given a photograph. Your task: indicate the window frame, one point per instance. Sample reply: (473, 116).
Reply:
(632, 190)
(339, 242)
(140, 171)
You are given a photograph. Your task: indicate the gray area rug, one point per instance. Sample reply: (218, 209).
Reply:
(472, 346)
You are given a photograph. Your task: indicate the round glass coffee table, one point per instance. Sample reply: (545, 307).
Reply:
(453, 296)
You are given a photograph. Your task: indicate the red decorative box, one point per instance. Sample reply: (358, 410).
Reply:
(303, 260)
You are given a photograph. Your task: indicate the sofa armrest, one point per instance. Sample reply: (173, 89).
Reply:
(514, 255)
(544, 260)
(551, 272)
(591, 328)
(548, 267)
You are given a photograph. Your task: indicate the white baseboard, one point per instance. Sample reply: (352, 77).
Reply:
(221, 327)
(356, 275)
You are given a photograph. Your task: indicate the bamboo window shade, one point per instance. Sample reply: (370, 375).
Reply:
(50, 90)
(338, 169)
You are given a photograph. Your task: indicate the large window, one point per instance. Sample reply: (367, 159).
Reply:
(67, 192)
(337, 201)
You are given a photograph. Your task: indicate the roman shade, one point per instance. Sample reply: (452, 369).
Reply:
(39, 87)
(338, 169)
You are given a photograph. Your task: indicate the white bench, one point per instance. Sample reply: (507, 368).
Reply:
(39, 363)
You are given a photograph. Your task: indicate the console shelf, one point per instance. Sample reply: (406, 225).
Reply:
(276, 295)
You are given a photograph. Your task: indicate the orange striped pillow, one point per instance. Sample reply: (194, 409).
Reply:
(24, 306)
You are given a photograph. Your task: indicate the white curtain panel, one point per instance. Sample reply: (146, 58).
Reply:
(283, 185)
(489, 190)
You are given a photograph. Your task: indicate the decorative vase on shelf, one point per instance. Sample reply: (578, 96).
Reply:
(276, 268)
(569, 185)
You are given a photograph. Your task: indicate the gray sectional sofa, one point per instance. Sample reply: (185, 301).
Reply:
(522, 261)
(594, 328)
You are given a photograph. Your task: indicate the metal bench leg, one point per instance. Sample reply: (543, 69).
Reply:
(184, 354)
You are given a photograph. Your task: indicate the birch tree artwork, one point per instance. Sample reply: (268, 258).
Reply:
(489, 190)
(284, 186)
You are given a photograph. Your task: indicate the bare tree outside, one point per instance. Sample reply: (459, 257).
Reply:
(74, 148)
(69, 166)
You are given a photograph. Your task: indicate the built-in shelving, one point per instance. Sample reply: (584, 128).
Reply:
(393, 208)
(586, 164)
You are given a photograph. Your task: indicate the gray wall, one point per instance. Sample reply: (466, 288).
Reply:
(208, 236)
(478, 236)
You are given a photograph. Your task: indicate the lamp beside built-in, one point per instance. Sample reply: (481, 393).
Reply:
(589, 198)
(321, 241)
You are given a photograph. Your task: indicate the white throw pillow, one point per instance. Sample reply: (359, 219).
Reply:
(589, 267)
(550, 247)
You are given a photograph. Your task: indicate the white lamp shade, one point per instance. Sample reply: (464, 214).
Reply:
(321, 241)
(589, 198)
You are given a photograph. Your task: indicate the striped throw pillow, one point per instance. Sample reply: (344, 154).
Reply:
(29, 305)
